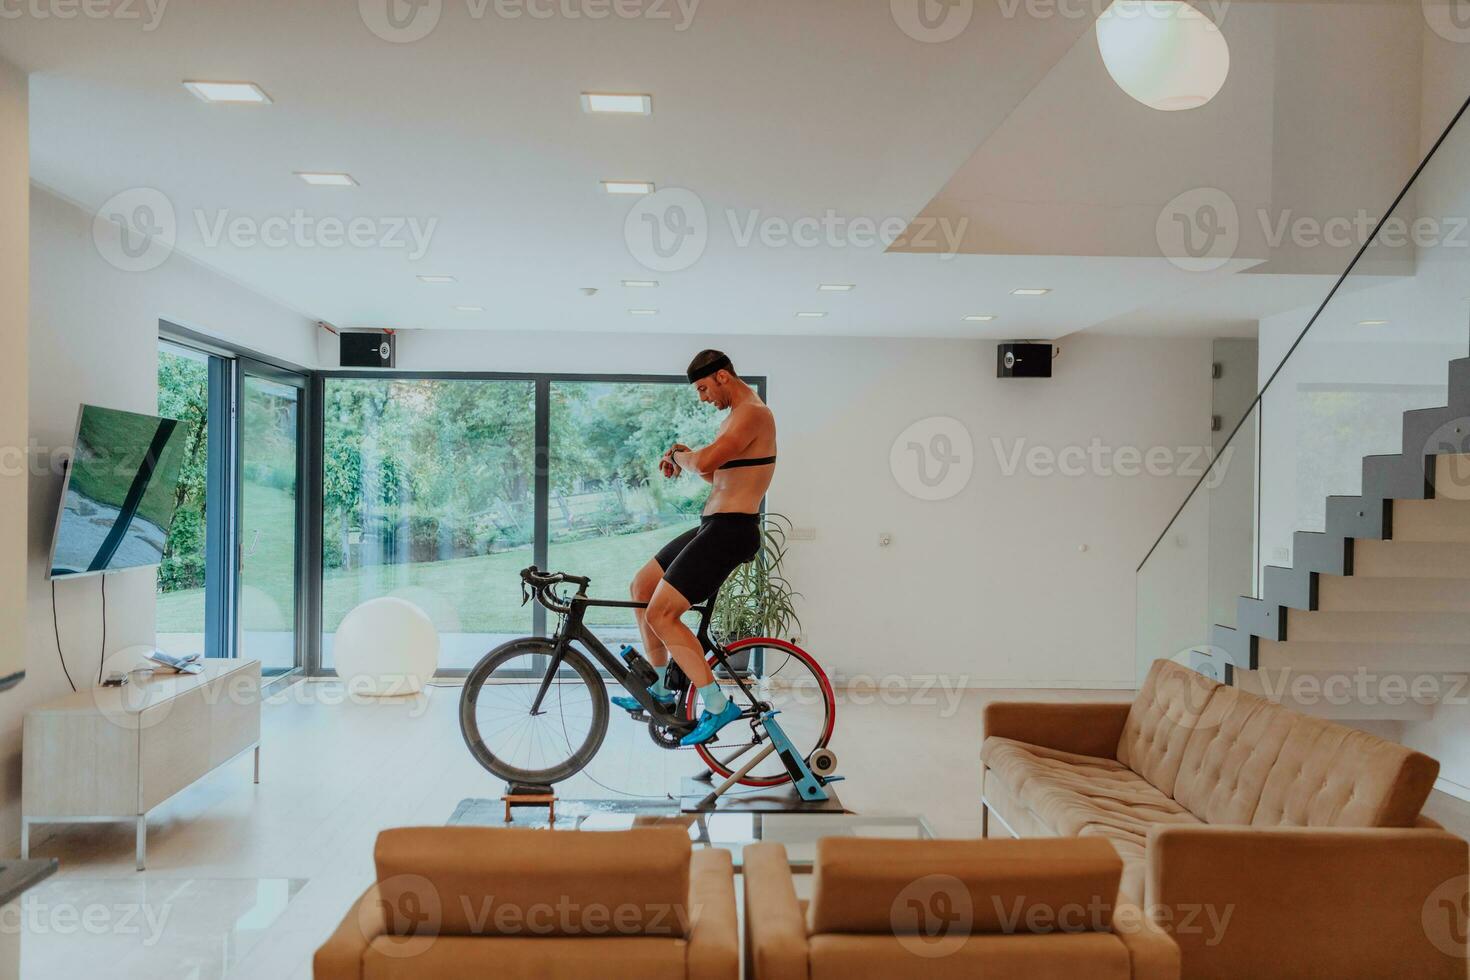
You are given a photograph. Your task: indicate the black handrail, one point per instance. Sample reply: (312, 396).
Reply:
(1301, 336)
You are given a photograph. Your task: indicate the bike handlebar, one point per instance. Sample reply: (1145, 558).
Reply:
(542, 583)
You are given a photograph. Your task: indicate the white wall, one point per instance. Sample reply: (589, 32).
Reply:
(14, 248)
(93, 338)
(989, 587)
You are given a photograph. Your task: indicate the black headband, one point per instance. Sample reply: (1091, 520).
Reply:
(721, 363)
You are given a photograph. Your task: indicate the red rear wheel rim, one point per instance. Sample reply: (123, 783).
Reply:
(691, 703)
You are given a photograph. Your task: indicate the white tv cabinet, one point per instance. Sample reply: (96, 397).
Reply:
(114, 753)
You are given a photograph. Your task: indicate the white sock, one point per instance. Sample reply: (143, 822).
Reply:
(714, 699)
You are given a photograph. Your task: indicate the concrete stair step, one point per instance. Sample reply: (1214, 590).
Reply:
(1427, 431)
(1436, 519)
(1396, 478)
(1377, 626)
(1451, 476)
(1292, 587)
(1316, 551)
(1411, 559)
(1391, 658)
(1460, 383)
(1340, 695)
(1361, 593)
(1359, 517)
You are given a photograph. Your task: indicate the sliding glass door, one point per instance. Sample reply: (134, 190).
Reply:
(270, 521)
(190, 386)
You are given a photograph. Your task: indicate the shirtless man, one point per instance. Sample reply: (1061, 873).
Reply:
(690, 568)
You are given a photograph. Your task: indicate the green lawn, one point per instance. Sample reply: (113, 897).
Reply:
(482, 594)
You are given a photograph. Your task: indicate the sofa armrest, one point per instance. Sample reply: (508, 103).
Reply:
(1152, 951)
(775, 929)
(1092, 728)
(340, 957)
(714, 932)
(1293, 902)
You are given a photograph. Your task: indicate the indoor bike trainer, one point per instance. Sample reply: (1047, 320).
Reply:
(535, 711)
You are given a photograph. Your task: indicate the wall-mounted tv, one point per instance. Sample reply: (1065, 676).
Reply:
(120, 492)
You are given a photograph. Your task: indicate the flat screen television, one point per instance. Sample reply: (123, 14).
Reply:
(120, 492)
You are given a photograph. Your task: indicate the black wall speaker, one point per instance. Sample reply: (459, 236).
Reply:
(1023, 360)
(368, 348)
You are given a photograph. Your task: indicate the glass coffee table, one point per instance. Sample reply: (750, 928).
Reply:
(799, 832)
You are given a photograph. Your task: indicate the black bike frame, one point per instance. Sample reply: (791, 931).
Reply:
(572, 628)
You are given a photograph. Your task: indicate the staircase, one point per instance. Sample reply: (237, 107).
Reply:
(1372, 620)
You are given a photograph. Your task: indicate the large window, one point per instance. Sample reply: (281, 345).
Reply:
(428, 494)
(609, 509)
(440, 489)
(437, 490)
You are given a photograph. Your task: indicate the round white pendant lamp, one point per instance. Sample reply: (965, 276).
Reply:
(1164, 53)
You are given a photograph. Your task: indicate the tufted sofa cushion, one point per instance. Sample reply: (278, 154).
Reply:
(1168, 710)
(1327, 775)
(1230, 756)
(1055, 793)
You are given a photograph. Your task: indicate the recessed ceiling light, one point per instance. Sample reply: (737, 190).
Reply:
(640, 283)
(1029, 292)
(1372, 323)
(834, 287)
(327, 179)
(637, 105)
(470, 309)
(436, 280)
(246, 93)
(980, 317)
(628, 186)
(811, 314)
(643, 312)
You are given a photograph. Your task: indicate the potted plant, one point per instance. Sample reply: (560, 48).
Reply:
(757, 600)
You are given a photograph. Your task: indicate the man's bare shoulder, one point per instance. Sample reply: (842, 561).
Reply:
(754, 414)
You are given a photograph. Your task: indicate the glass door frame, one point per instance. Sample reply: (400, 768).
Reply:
(542, 486)
(228, 363)
(306, 488)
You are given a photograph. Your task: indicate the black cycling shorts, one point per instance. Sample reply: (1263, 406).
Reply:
(698, 561)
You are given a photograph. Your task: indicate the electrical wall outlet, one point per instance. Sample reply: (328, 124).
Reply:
(803, 534)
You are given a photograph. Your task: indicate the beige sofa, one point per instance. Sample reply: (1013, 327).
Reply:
(557, 905)
(1268, 843)
(998, 909)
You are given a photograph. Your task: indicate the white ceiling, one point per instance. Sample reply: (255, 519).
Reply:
(765, 110)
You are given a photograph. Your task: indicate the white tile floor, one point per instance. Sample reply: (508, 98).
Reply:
(246, 880)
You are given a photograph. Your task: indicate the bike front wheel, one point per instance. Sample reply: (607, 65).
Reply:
(548, 745)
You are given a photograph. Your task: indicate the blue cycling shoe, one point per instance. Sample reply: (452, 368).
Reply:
(710, 723)
(629, 704)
